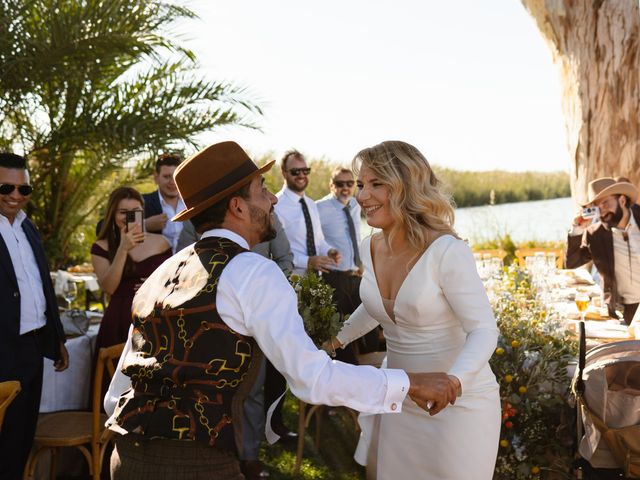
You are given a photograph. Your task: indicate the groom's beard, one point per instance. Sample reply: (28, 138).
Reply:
(612, 219)
(262, 220)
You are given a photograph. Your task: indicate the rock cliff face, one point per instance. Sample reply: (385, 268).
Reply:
(596, 45)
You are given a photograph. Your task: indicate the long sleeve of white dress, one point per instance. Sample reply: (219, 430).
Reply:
(467, 297)
(358, 324)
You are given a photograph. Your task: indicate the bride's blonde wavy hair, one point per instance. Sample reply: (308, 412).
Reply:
(417, 201)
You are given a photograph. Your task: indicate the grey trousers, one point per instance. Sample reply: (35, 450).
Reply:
(137, 458)
(253, 418)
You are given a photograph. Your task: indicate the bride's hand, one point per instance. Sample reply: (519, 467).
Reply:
(330, 346)
(432, 391)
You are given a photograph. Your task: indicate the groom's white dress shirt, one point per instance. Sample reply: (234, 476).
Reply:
(254, 298)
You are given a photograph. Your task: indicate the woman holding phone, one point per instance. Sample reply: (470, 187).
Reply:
(123, 256)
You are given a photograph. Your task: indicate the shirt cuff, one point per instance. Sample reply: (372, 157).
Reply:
(576, 230)
(397, 390)
(301, 261)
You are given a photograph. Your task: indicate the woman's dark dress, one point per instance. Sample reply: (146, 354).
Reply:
(117, 317)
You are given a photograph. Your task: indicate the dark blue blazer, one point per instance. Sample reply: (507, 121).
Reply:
(152, 205)
(10, 306)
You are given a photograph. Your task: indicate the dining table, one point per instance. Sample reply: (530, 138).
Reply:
(70, 389)
(562, 289)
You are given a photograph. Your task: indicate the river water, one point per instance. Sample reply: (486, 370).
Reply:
(540, 220)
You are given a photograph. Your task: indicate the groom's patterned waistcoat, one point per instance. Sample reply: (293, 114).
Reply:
(189, 365)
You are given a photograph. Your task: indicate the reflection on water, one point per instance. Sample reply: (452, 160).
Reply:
(541, 220)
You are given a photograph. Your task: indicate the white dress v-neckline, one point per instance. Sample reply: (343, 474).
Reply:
(391, 302)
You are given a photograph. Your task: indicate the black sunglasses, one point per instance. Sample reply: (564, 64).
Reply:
(344, 183)
(7, 188)
(297, 171)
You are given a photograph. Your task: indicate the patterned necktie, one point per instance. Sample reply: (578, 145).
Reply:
(352, 235)
(311, 245)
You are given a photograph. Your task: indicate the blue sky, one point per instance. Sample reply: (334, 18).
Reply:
(470, 83)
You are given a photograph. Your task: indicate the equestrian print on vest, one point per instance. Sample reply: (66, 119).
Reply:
(188, 364)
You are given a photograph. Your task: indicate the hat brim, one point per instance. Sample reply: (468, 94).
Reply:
(621, 188)
(187, 213)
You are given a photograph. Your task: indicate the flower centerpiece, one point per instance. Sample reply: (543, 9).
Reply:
(530, 363)
(315, 305)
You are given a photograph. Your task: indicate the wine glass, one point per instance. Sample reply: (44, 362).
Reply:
(582, 302)
(69, 292)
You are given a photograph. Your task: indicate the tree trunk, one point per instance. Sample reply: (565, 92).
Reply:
(595, 43)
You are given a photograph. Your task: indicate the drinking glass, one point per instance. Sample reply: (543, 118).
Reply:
(582, 302)
(69, 292)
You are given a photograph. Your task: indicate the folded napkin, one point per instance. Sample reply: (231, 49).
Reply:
(74, 322)
(579, 276)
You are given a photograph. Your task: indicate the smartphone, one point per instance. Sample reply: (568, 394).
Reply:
(133, 217)
(590, 212)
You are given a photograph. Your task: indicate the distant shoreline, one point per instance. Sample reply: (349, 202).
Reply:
(497, 187)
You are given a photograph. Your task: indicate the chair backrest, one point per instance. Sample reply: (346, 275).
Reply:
(523, 253)
(107, 361)
(492, 253)
(8, 391)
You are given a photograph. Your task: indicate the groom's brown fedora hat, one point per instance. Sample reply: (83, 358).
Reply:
(212, 174)
(605, 186)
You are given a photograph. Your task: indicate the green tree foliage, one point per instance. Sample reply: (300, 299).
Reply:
(471, 189)
(89, 87)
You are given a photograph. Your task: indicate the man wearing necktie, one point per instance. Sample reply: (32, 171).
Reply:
(340, 220)
(299, 217)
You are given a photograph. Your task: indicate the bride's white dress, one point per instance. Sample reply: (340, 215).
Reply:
(443, 323)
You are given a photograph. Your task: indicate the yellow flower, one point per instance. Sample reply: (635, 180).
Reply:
(504, 443)
(535, 470)
(508, 378)
(294, 277)
(523, 390)
(499, 351)
(515, 344)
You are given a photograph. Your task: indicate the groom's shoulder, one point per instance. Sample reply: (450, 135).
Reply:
(254, 263)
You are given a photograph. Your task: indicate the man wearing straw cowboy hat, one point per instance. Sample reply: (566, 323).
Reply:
(612, 243)
(200, 324)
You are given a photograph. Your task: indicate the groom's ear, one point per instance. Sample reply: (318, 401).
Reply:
(237, 207)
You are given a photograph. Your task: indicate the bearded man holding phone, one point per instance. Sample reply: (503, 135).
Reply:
(611, 241)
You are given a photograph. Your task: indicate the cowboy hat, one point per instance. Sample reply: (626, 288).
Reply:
(212, 174)
(605, 186)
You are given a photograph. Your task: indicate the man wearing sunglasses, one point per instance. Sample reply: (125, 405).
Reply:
(299, 217)
(30, 327)
(340, 219)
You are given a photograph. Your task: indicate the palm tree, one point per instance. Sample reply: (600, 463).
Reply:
(89, 86)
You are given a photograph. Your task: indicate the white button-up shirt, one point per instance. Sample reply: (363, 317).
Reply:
(290, 214)
(255, 299)
(336, 229)
(32, 302)
(626, 258)
(171, 230)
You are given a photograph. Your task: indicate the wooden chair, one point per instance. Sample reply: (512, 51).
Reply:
(8, 391)
(523, 253)
(306, 412)
(78, 428)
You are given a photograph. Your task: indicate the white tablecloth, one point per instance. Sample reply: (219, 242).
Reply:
(69, 390)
